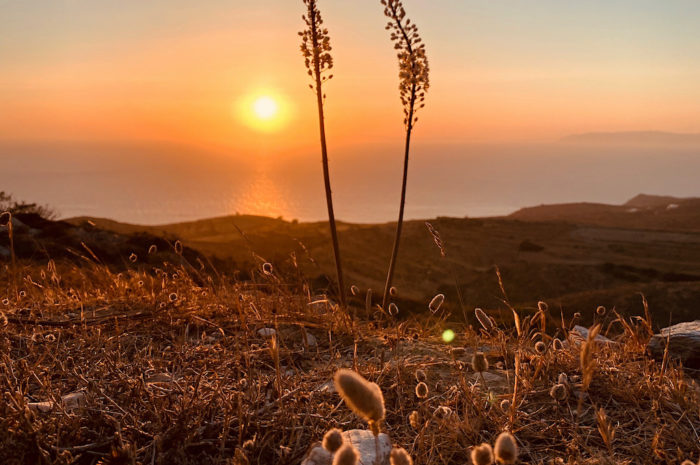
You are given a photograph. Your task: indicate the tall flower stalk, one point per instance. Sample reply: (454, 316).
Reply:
(316, 48)
(413, 84)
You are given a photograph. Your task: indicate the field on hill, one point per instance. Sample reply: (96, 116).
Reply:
(576, 262)
(172, 365)
(215, 342)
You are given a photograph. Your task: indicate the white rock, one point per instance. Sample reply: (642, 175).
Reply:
(70, 401)
(581, 333)
(683, 343)
(266, 332)
(328, 386)
(311, 340)
(318, 456)
(364, 442)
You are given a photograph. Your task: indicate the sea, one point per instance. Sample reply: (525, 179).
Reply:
(158, 183)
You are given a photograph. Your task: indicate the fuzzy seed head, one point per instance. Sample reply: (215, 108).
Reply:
(5, 219)
(393, 309)
(479, 362)
(540, 347)
(267, 268)
(484, 319)
(333, 440)
(559, 392)
(482, 455)
(399, 456)
(346, 455)
(557, 344)
(436, 303)
(363, 397)
(413, 420)
(421, 390)
(506, 449)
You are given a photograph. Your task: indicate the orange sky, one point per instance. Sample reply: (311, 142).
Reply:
(78, 70)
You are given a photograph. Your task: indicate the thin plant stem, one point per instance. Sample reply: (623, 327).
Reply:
(399, 224)
(414, 82)
(314, 25)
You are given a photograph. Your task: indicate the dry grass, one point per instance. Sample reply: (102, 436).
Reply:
(173, 369)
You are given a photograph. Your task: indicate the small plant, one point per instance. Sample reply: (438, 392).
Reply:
(557, 344)
(559, 392)
(606, 430)
(399, 456)
(316, 49)
(414, 82)
(482, 455)
(480, 365)
(540, 347)
(363, 397)
(506, 449)
(484, 320)
(436, 302)
(346, 455)
(421, 390)
(332, 440)
(413, 420)
(587, 357)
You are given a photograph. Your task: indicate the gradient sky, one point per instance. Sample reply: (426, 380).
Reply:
(181, 71)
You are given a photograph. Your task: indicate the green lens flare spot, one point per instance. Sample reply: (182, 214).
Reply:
(448, 335)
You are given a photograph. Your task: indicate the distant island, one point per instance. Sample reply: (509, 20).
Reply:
(635, 138)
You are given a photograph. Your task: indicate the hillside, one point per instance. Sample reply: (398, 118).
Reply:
(586, 259)
(641, 212)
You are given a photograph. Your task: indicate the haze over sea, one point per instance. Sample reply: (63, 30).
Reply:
(155, 183)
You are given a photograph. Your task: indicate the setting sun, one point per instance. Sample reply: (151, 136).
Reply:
(265, 107)
(264, 110)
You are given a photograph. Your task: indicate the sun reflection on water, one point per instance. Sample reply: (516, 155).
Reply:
(262, 196)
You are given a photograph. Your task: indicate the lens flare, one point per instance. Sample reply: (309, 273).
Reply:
(448, 335)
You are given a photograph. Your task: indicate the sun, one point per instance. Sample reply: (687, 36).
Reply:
(265, 107)
(264, 110)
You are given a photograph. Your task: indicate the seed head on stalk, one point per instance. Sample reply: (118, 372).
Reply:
(316, 50)
(413, 63)
(413, 84)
